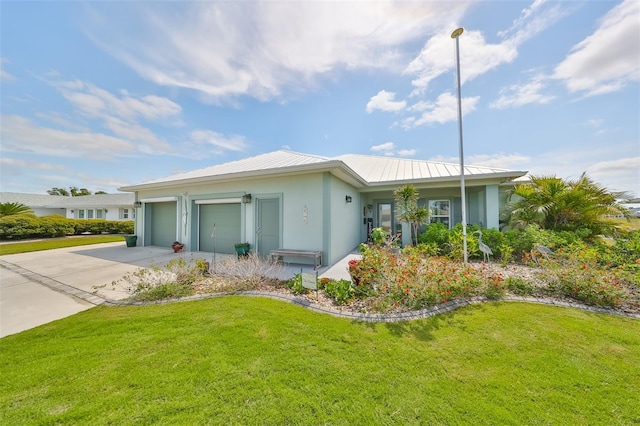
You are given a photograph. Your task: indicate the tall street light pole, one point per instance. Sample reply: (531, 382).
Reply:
(456, 34)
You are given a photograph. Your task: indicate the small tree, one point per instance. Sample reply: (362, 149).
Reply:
(408, 211)
(10, 209)
(564, 205)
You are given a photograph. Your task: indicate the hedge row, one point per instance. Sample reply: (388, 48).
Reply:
(16, 227)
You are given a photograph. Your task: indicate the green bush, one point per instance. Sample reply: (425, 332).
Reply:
(519, 286)
(23, 226)
(339, 290)
(295, 285)
(436, 233)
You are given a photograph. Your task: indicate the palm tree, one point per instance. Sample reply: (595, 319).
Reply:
(408, 211)
(10, 209)
(564, 205)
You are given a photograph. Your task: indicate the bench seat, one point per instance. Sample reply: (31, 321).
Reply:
(282, 253)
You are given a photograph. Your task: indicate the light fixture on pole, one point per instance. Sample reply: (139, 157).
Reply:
(456, 34)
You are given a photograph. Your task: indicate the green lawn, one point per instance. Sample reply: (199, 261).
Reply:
(54, 243)
(242, 360)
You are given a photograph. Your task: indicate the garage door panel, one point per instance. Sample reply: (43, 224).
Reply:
(163, 224)
(226, 218)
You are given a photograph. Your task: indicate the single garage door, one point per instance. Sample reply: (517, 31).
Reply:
(163, 223)
(226, 219)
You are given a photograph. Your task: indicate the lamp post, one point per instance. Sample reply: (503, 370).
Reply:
(456, 34)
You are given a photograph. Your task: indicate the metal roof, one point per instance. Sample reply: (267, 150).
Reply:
(361, 170)
(61, 202)
(377, 169)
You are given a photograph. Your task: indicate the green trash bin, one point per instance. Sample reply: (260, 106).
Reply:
(131, 240)
(242, 249)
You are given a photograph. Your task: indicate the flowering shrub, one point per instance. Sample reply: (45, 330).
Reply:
(415, 281)
(575, 273)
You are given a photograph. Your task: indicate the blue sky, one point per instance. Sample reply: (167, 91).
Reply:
(106, 94)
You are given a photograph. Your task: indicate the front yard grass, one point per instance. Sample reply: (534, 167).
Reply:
(55, 243)
(244, 360)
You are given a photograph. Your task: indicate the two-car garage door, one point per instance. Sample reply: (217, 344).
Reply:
(221, 221)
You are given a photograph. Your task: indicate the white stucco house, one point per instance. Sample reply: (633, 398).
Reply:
(100, 206)
(289, 200)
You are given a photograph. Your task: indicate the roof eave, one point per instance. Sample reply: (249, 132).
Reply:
(336, 167)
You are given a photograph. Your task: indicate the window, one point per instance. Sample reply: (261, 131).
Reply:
(89, 214)
(99, 214)
(127, 214)
(80, 214)
(440, 211)
(385, 217)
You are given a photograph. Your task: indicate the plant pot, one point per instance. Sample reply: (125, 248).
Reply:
(242, 249)
(131, 240)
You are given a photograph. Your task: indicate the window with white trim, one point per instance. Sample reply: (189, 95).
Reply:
(440, 211)
(127, 214)
(81, 214)
(89, 213)
(99, 214)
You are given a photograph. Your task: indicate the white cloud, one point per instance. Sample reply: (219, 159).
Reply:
(517, 95)
(209, 138)
(476, 58)
(259, 49)
(623, 173)
(500, 160)
(4, 75)
(121, 114)
(608, 59)
(384, 101)
(407, 152)
(97, 102)
(443, 110)
(387, 148)
(19, 134)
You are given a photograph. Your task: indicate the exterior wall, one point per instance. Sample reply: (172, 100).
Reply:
(301, 208)
(108, 213)
(41, 211)
(345, 219)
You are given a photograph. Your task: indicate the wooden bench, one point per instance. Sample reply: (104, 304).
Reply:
(282, 253)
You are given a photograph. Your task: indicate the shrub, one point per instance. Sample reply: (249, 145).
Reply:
(519, 286)
(577, 275)
(295, 285)
(23, 226)
(339, 290)
(246, 272)
(436, 233)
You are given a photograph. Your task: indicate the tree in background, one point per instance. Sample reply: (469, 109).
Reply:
(72, 192)
(58, 191)
(407, 209)
(553, 203)
(10, 209)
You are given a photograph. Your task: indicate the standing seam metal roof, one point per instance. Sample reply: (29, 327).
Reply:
(371, 169)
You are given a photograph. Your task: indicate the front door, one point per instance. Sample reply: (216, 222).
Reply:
(268, 225)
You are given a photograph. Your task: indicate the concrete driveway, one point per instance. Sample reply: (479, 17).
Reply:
(42, 286)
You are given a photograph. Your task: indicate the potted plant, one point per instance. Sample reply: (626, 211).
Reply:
(242, 249)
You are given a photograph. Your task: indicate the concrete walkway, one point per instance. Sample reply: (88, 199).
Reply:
(39, 287)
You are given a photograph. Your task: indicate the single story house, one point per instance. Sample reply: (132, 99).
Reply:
(98, 206)
(290, 200)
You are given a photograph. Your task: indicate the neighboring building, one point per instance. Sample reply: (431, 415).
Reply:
(101, 206)
(298, 201)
